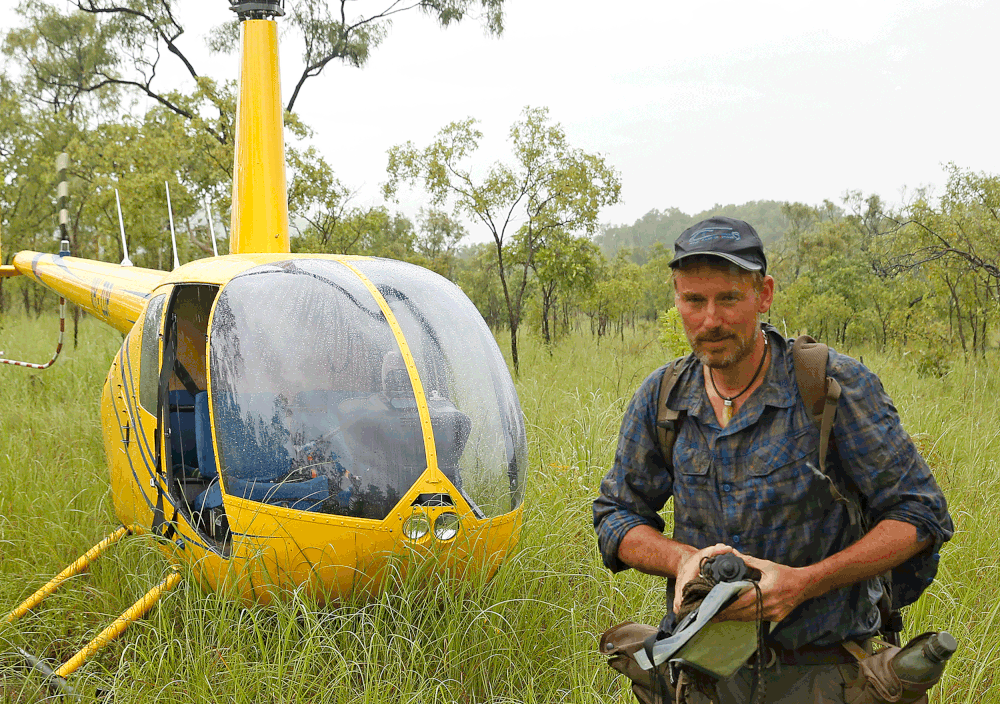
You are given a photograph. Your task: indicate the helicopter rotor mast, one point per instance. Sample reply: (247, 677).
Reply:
(260, 191)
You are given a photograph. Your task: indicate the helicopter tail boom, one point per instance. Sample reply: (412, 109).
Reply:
(109, 292)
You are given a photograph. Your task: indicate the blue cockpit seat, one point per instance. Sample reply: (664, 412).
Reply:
(300, 496)
(183, 447)
(203, 437)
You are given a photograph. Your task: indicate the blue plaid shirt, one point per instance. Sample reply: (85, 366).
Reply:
(755, 485)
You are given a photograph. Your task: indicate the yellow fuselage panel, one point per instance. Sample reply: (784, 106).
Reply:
(129, 438)
(276, 550)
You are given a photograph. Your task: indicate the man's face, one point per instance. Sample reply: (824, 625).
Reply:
(720, 309)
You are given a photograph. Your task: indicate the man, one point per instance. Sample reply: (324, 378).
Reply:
(744, 476)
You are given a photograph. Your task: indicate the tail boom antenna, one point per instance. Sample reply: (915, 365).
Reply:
(121, 225)
(173, 237)
(211, 226)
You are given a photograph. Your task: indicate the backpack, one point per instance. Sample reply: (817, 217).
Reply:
(820, 394)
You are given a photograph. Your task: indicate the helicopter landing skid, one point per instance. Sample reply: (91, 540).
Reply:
(56, 679)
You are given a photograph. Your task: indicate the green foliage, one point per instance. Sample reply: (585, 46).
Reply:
(672, 335)
(617, 295)
(438, 237)
(565, 266)
(933, 363)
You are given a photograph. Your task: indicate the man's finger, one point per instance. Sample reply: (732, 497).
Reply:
(711, 551)
(756, 562)
(743, 609)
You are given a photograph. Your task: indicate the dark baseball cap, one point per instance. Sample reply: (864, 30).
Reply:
(733, 240)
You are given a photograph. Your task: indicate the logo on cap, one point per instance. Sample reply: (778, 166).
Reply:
(710, 234)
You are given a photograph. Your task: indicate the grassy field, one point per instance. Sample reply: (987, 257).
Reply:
(529, 635)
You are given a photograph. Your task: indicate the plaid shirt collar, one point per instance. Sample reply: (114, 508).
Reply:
(778, 389)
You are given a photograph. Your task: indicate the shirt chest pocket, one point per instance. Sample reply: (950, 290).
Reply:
(785, 470)
(692, 463)
(782, 451)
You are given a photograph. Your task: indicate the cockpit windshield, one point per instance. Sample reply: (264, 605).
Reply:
(313, 406)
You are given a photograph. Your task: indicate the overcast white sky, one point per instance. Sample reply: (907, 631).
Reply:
(693, 103)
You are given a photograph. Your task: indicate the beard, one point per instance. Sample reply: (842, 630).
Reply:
(744, 347)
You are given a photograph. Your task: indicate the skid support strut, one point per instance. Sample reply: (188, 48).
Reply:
(57, 678)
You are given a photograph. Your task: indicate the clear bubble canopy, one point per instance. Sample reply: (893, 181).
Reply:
(313, 405)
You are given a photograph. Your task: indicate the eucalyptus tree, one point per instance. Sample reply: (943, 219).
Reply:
(547, 187)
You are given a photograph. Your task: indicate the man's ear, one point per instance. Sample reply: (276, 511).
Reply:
(766, 296)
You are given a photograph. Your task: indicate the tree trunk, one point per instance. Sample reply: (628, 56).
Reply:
(513, 347)
(511, 317)
(546, 306)
(958, 314)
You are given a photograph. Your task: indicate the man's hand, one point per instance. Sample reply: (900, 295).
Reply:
(690, 567)
(782, 588)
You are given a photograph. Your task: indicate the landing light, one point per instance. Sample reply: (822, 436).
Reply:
(446, 526)
(416, 526)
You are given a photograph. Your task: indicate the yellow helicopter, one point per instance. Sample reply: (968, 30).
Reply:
(292, 422)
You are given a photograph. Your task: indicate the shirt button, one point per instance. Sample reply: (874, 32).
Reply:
(727, 487)
(736, 539)
(936, 557)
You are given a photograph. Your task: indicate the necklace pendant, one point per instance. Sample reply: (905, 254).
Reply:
(727, 412)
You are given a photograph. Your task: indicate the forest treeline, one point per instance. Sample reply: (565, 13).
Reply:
(855, 270)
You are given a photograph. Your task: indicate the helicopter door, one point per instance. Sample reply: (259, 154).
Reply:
(188, 456)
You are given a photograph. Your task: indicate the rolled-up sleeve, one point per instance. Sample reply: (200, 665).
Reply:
(638, 483)
(895, 481)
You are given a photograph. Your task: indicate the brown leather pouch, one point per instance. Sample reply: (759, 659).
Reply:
(619, 645)
(878, 683)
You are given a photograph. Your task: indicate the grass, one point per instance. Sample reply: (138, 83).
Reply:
(528, 635)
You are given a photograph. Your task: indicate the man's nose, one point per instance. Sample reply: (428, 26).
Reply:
(712, 317)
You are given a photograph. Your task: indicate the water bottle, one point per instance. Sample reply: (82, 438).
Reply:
(923, 662)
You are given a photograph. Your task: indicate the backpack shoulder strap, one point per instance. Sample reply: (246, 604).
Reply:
(667, 419)
(819, 392)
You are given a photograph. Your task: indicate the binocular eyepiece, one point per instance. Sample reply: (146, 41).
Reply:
(728, 568)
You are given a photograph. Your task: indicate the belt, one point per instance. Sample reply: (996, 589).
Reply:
(809, 655)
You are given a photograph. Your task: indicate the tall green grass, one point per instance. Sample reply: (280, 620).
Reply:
(528, 635)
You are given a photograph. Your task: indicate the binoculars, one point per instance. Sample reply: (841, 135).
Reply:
(728, 567)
